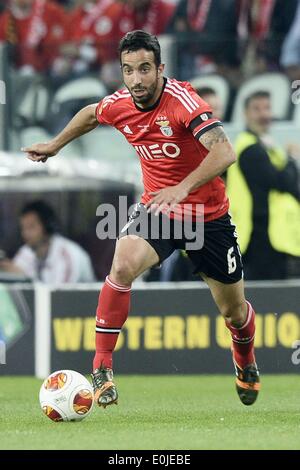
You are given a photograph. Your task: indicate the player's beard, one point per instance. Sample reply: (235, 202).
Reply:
(148, 95)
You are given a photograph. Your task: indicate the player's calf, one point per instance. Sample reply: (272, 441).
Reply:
(247, 375)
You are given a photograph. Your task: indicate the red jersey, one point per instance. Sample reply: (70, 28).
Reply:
(165, 137)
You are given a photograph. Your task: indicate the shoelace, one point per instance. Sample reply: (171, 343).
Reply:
(100, 378)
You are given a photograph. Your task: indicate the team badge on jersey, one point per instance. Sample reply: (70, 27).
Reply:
(165, 129)
(204, 117)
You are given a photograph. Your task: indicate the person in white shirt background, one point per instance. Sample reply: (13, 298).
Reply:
(46, 255)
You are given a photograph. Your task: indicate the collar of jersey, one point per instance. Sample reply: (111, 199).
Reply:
(150, 108)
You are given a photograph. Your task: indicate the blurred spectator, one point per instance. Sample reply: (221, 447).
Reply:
(206, 32)
(95, 28)
(34, 29)
(281, 22)
(255, 18)
(91, 37)
(152, 16)
(263, 188)
(2, 5)
(290, 53)
(264, 25)
(46, 255)
(212, 98)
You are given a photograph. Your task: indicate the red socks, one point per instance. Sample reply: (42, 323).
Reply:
(243, 340)
(112, 312)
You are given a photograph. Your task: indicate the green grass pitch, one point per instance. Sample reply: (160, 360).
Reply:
(159, 412)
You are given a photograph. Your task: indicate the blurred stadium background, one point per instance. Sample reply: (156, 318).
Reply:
(54, 60)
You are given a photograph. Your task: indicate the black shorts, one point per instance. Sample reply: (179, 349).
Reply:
(218, 257)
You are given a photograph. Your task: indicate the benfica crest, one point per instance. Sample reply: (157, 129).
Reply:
(165, 129)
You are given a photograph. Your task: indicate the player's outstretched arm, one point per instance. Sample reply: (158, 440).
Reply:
(83, 122)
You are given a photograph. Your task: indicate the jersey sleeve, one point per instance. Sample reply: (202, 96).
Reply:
(104, 112)
(195, 113)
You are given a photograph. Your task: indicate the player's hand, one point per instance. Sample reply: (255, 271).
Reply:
(166, 199)
(40, 152)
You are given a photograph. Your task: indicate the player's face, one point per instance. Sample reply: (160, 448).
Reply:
(142, 77)
(32, 230)
(259, 114)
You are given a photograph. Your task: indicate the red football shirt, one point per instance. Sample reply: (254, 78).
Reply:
(165, 137)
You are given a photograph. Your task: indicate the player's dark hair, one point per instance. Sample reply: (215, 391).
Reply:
(256, 95)
(138, 39)
(45, 213)
(206, 90)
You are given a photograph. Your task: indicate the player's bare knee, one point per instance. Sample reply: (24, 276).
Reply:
(234, 313)
(123, 271)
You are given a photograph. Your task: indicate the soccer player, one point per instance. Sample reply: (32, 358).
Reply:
(182, 151)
